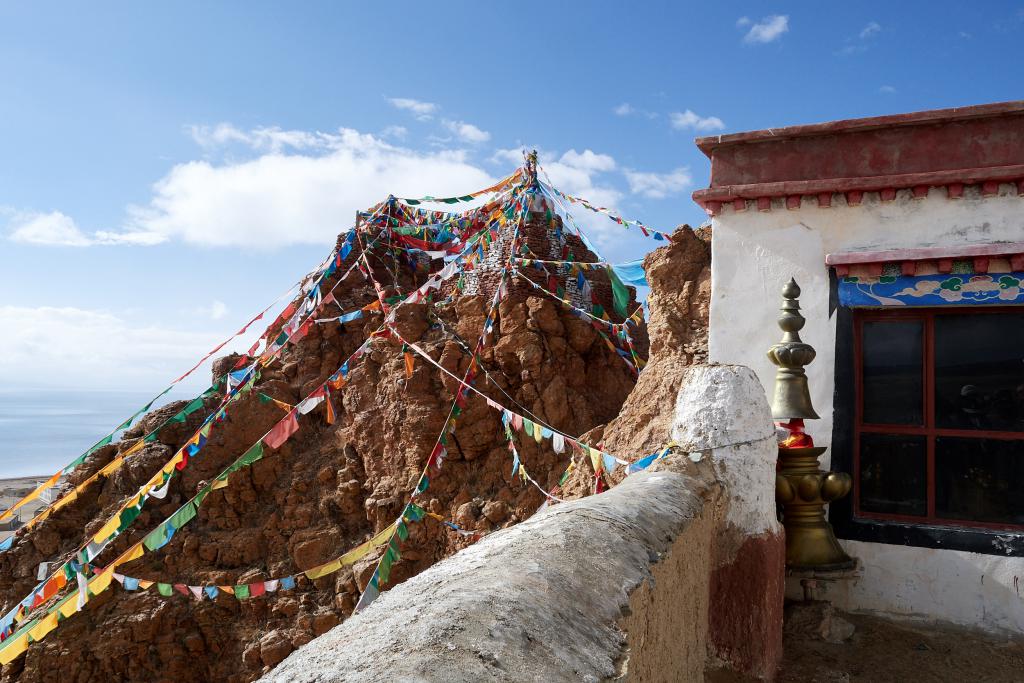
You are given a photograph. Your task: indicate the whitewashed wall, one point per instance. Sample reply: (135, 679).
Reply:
(964, 588)
(754, 253)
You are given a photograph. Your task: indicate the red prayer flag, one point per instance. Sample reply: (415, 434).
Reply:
(283, 430)
(257, 589)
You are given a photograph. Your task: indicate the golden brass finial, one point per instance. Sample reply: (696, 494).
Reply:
(801, 486)
(791, 398)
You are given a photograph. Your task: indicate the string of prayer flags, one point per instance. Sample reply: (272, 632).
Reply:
(646, 230)
(115, 525)
(500, 185)
(412, 512)
(156, 539)
(469, 236)
(259, 588)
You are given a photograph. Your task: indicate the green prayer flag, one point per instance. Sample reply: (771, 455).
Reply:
(203, 493)
(164, 588)
(185, 514)
(414, 513)
(620, 294)
(249, 457)
(128, 516)
(194, 405)
(105, 441)
(242, 591)
(402, 531)
(384, 569)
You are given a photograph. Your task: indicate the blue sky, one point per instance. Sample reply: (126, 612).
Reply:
(166, 170)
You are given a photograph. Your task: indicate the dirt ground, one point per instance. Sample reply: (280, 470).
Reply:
(884, 650)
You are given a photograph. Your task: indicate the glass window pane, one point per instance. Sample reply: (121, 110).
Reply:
(979, 371)
(893, 383)
(893, 474)
(981, 480)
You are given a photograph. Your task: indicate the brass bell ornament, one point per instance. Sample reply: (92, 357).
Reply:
(801, 486)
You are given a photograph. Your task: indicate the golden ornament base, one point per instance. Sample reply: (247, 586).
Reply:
(804, 489)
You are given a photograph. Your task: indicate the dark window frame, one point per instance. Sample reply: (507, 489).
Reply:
(928, 430)
(991, 539)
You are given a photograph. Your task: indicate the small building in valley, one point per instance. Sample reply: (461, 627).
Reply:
(906, 236)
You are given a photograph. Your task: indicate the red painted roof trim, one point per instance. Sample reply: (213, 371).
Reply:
(968, 176)
(708, 143)
(925, 253)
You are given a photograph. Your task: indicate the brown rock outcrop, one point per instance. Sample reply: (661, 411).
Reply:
(330, 487)
(680, 280)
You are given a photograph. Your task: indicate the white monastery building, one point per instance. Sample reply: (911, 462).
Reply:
(906, 235)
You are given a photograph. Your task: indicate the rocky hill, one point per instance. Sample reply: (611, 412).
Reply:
(332, 486)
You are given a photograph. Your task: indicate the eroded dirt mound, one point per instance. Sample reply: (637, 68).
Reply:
(680, 280)
(330, 487)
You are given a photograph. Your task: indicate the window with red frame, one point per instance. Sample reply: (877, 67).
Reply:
(939, 418)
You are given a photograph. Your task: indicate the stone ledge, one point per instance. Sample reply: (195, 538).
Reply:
(553, 598)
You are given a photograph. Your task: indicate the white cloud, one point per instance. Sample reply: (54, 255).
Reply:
(276, 199)
(768, 29)
(215, 311)
(95, 349)
(690, 120)
(627, 109)
(854, 49)
(888, 89)
(52, 229)
(871, 29)
(271, 139)
(742, 21)
(55, 229)
(467, 132)
(659, 185)
(855, 45)
(513, 155)
(395, 132)
(421, 110)
(588, 161)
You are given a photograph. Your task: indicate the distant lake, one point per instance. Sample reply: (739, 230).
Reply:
(42, 430)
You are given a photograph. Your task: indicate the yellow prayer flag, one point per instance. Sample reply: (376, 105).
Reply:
(108, 529)
(595, 459)
(354, 555)
(110, 467)
(13, 647)
(101, 581)
(68, 607)
(45, 625)
(136, 447)
(52, 481)
(133, 553)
